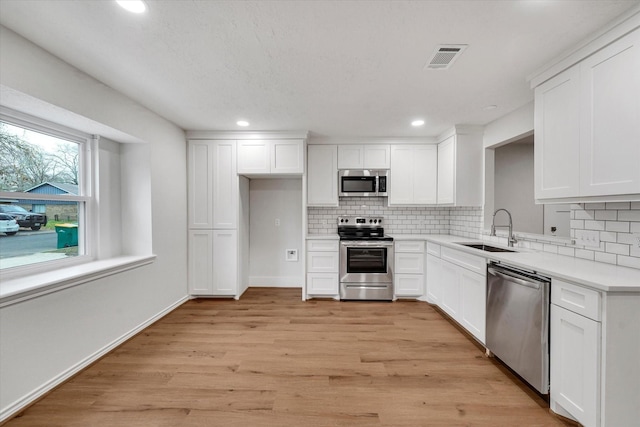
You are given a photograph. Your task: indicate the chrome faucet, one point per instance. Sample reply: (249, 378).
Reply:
(510, 238)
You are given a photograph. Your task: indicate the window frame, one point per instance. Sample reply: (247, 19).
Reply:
(86, 198)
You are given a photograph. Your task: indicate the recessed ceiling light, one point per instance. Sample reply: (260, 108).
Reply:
(417, 123)
(133, 6)
(242, 123)
(490, 107)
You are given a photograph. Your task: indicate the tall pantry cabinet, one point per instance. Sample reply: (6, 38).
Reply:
(215, 217)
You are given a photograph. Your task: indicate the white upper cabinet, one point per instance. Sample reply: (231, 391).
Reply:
(213, 184)
(610, 119)
(364, 156)
(557, 136)
(322, 175)
(414, 174)
(271, 157)
(587, 127)
(460, 168)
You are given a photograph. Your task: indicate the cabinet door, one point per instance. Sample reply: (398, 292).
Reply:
(575, 371)
(425, 174)
(322, 262)
(409, 263)
(447, 171)
(254, 157)
(450, 289)
(377, 156)
(350, 157)
(225, 185)
(473, 303)
(200, 274)
(200, 182)
(322, 175)
(322, 284)
(557, 136)
(610, 119)
(287, 157)
(408, 285)
(402, 175)
(225, 262)
(434, 287)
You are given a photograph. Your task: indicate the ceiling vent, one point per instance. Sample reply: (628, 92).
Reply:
(444, 56)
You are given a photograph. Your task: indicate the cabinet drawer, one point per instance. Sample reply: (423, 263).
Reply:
(322, 245)
(470, 262)
(322, 284)
(409, 263)
(322, 262)
(409, 246)
(433, 249)
(578, 299)
(409, 285)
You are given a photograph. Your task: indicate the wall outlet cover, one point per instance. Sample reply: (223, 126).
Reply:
(636, 237)
(589, 238)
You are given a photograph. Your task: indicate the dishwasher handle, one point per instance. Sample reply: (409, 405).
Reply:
(515, 278)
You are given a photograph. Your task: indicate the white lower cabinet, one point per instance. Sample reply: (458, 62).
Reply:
(213, 262)
(458, 286)
(322, 268)
(575, 368)
(434, 286)
(450, 302)
(473, 307)
(408, 278)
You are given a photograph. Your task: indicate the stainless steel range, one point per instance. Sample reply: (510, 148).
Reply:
(366, 259)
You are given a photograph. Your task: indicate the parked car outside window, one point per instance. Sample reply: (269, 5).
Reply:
(8, 225)
(24, 218)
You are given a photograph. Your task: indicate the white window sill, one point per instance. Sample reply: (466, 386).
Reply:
(35, 285)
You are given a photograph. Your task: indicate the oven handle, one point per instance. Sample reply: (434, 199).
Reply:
(362, 243)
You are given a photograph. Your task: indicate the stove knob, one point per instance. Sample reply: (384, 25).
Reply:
(370, 221)
(341, 219)
(346, 220)
(380, 221)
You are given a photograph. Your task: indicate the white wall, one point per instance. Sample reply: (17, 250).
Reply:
(271, 199)
(514, 187)
(44, 338)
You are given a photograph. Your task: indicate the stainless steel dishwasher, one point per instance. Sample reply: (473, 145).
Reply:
(518, 322)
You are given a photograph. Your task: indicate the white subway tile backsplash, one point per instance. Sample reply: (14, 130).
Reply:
(606, 215)
(615, 223)
(618, 205)
(617, 248)
(627, 261)
(618, 226)
(606, 257)
(594, 225)
(629, 215)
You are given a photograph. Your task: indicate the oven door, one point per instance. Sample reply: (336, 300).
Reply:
(366, 261)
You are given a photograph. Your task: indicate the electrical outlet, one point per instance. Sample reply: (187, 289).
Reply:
(277, 222)
(588, 238)
(636, 239)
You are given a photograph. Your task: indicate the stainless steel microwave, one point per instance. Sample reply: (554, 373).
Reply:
(363, 182)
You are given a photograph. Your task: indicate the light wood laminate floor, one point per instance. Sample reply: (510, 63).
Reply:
(272, 360)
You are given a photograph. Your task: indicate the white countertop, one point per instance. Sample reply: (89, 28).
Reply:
(322, 237)
(596, 275)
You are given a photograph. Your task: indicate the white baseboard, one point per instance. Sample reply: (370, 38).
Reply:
(31, 397)
(275, 282)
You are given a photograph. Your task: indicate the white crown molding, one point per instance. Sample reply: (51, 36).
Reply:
(230, 134)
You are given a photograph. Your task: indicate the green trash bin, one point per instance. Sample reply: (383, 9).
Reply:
(67, 235)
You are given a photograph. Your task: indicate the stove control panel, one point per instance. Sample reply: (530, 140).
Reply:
(360, 221)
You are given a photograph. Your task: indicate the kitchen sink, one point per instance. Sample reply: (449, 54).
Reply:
(484, 247)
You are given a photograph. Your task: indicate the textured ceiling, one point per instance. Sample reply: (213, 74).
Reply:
(335, 68)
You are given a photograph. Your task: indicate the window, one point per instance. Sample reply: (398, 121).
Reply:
(45, 186)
